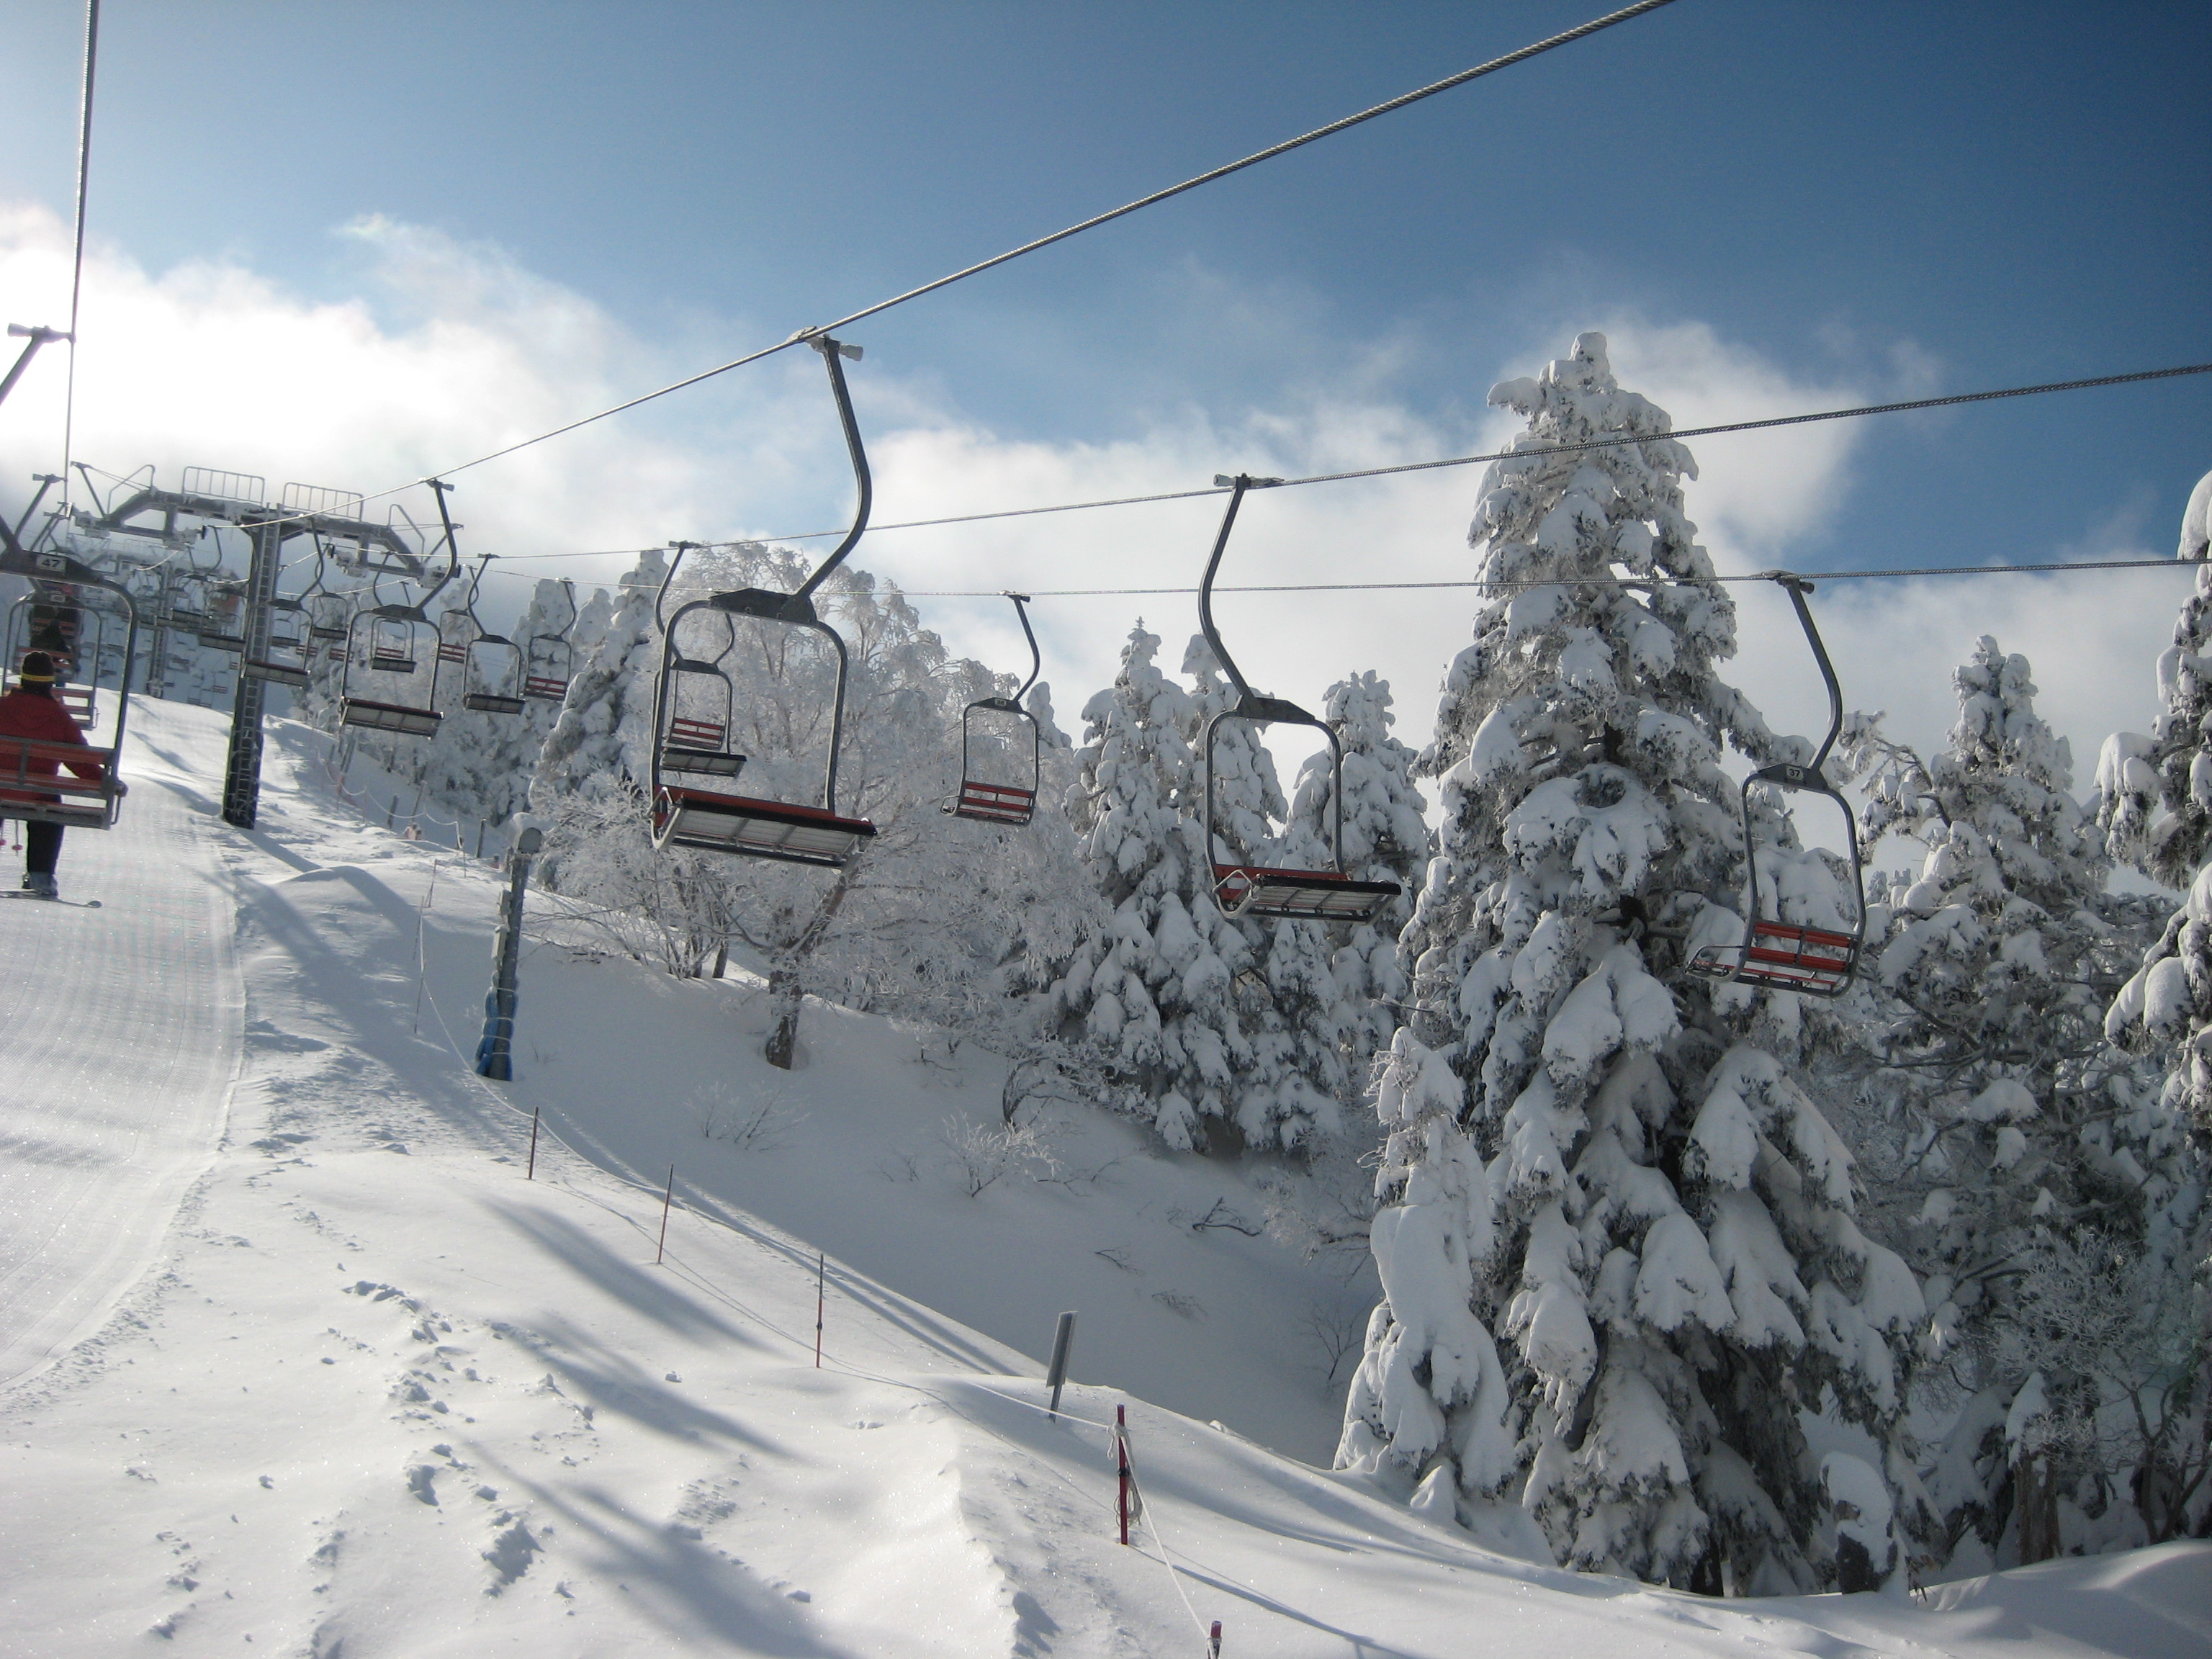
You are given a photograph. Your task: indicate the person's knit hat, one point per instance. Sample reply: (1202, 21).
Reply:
(38, 669)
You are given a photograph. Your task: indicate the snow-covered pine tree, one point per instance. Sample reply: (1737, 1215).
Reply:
(1999, 1124)
(2153, 797)
(1290, 1002)
(603, 739)
(1603, 1158)
(2155, 801)
(1156, 991)
(480, 766)
(1386, 838)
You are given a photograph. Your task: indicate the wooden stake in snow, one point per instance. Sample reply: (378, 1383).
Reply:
(530, 1174)
(1056, 1374)
(665, 1199)
(821, 1294)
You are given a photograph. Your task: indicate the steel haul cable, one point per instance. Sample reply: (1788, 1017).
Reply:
(1535, 49)
(76, 267)
(1617, 441)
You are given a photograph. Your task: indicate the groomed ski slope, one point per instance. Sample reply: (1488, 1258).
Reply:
(118, 1035)
(383, 1395)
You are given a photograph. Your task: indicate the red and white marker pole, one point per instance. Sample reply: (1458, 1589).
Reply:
(1213, 1647)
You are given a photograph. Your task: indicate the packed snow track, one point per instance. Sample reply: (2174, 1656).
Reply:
(119, 1034)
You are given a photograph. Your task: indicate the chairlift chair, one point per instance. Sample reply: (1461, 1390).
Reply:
(284, 662)
(697, 744)
(979, 798)
(29, 793)
(212, 635)
(477, 693)
(286, 656)
(549, 661)
(393, 631)
(50, 619)
(1269, 891)
(687, 814)
(1779, 954)
(324, 610)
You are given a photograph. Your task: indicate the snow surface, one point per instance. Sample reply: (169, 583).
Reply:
(380, 1395)
(118, 1034)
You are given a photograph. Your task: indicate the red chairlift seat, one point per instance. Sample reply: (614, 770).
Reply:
(291, 675)
(376, 714)
(1783, 956)
(783, 830)
(539, 679)
(979, 798)
(1251, 889)
(683, 744)
(699, 748)
(995, 803)
(35, 796)
(1277, 893)
(402, 718)
(37, 785)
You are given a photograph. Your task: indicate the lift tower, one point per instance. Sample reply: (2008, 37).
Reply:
(241, 498)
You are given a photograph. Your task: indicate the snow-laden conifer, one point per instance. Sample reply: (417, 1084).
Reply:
(2154, 799)
(2000, 1125)
(603, 740)
(1336, 990)
(1656, 1220)
(1156, 991)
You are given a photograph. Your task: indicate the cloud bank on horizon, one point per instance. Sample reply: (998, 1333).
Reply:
(451, 350)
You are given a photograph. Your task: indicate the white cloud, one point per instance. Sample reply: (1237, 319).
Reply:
(453, 351)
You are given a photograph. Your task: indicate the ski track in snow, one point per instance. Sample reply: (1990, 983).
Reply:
(384, 1397)
(118, 1038)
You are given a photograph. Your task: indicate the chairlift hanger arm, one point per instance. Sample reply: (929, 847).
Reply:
(1036, 657)
(439, 488)
(1798, 587)
(1013, 705)
(34, 336)
(1250, 702)
(833, 351)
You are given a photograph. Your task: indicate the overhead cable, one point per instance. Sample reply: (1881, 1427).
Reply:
(1613, 442)
(76, 267)
(1535, 49)
(1560, 581)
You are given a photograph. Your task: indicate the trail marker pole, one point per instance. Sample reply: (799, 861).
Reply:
(821, 1296)
(1063, 1338)
(1213, 1647)
(666, 1198)
(1122, 1465)
(530, 1174)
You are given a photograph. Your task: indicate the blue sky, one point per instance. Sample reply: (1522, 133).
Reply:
(1868, 199)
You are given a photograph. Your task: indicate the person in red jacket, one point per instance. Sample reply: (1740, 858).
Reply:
(29, 711)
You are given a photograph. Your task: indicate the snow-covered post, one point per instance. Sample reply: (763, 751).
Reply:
(495, 1057)
(1063, 1339)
